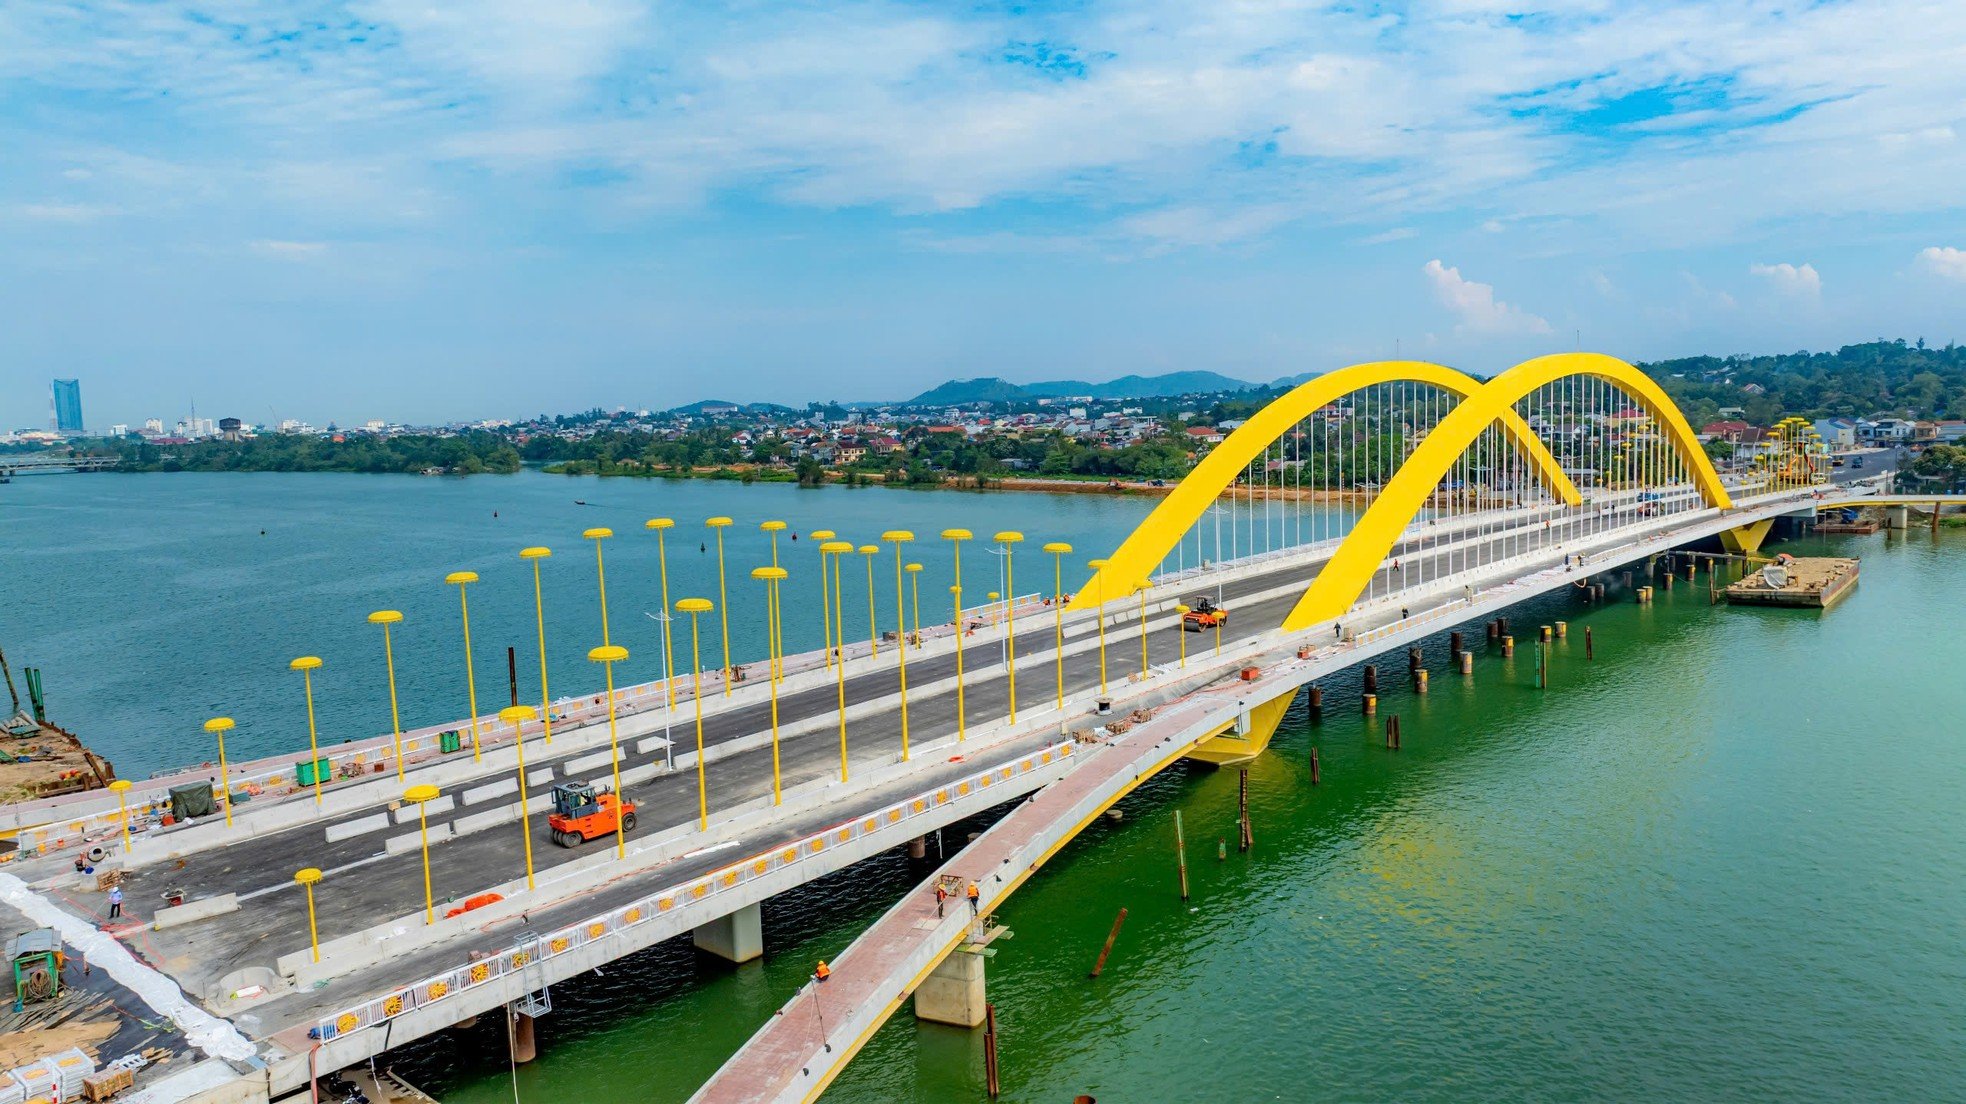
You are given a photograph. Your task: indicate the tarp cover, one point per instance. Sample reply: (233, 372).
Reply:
(193, 800)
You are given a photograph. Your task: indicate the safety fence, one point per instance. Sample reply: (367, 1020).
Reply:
(691, 896)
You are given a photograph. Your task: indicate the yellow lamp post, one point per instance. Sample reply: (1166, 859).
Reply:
(873, 627)
(1004, 541)
(723, 596)
(218, 726)
(607, 655)
(423, 794)
(772, 577)
(307, 877)
(821, 536)
(838, 550)
(517, 716)
(461, 580)
(778, 646)
(1181, 627)
(536, 554)
(662, 525)
(956, 537)
(597, 535)
(121, 788)
(1059, 550)
(307, 665)
(1142, 591)
(695, 607)
(1097, 566)
(915, 599)
(386, 618)
(899, 537)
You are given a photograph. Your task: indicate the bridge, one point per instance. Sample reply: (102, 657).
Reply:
(428, 891)
(43, 464)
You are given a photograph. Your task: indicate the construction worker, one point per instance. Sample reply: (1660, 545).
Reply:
(941, 895)
(115, 902)
(823, 972)
(975, 900)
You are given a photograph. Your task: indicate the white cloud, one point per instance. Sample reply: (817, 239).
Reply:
(1943, 261)
(63, 212)
(1397, 233)
(1801, 282)
(1475, 305)
(290, 250)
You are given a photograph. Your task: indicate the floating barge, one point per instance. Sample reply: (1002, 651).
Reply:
(1806, 583)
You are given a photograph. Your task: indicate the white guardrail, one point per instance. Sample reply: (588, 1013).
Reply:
(664, 902)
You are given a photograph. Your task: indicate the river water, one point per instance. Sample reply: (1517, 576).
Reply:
(1724, 860)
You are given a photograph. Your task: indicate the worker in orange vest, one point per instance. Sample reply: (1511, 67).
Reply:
(974, 904)
(823, 972)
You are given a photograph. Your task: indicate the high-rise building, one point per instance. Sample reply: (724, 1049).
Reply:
(65, 406)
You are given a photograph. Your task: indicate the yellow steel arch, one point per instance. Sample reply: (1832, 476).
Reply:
(1149, 544)
(1357, 559)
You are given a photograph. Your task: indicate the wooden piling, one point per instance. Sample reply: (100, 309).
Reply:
(1454, 646)
(1314, 767)
(1246, 839)
(1110, 936)
(1587, 644)
(1413, 659)
(1181, 853)
(990, 1049)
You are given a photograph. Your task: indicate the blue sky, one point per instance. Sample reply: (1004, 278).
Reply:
(458, 210)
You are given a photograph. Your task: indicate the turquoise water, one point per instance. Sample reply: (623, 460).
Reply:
(1724, 861)
(152, 602)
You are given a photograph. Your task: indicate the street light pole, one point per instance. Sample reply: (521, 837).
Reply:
(307, 877)
(607, 655)
(723, 596)
(386, 618)
(695, 607)
(1059, 550)
(1004, 540)
(873, 626)
(1098, 566)
(517, 716)
(956, 537)
(772, 577)
(915, 598)
(462, 579)
(777, 647)
(423, 794)
(662, 525)
(899, 537)
(820, 537)
(597, 535)
(537, 554)
(307, 665)
(838, 550)
(217, 726)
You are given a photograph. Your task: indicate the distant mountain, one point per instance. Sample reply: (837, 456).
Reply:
(1141, 387)
(700, 408)
(995, 390)
(982, 389)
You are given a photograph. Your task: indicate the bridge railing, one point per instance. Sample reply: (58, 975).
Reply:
(693, 895)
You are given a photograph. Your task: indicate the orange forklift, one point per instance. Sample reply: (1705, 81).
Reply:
(580, 814)
(1203, 614)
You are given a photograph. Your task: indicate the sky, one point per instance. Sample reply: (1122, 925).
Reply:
(434, 211)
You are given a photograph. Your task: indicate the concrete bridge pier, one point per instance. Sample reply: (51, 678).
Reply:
(524, 1047)
(1897, 517)
(954, 992)
(738, 937)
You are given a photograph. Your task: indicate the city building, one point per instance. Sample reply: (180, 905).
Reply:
(65, 406)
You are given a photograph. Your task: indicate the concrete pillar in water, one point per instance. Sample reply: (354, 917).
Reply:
(1370, 704)
(1420, 680)
(1467, 663)
(1508, 646)
(918, 847)
(738, 937)
(1897, 517)
(953, 993)
(1562, 629)
(524, 1049)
